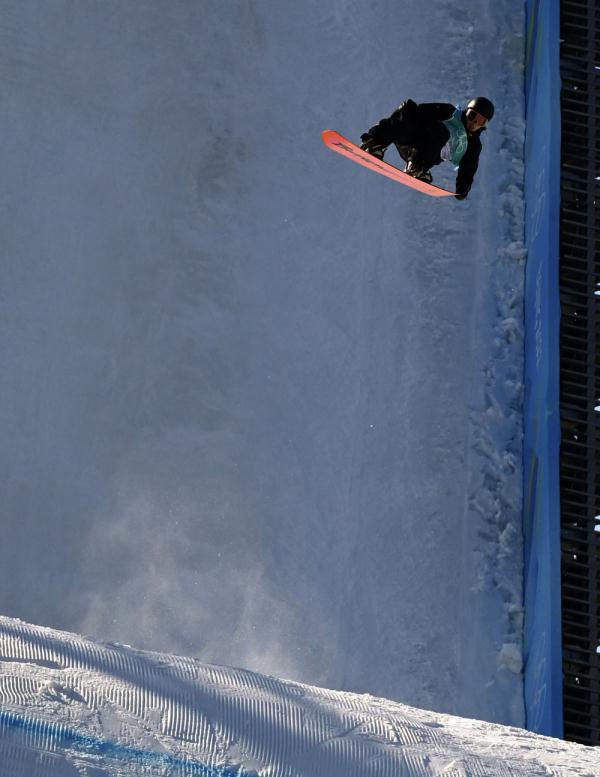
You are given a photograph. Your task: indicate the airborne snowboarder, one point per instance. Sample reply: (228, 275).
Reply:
(426, 134)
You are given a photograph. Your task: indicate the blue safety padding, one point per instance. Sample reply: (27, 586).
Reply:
(541, 513)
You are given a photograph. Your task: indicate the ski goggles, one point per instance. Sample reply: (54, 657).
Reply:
(479, 120)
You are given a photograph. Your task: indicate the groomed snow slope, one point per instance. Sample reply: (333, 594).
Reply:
(71, 707)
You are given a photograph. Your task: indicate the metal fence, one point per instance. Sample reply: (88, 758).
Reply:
(580, 367)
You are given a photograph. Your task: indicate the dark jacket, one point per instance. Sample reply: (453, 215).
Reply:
(419, 133)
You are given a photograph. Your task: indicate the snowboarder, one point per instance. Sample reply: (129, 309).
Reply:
(426, 134)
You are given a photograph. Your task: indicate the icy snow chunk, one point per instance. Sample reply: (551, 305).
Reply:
(510, 658)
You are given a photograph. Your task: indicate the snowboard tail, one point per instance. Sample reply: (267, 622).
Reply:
(345, 147)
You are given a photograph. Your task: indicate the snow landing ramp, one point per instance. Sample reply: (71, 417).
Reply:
(71, 707)
(541, 518)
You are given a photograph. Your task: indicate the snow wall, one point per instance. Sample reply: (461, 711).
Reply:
(541, 518)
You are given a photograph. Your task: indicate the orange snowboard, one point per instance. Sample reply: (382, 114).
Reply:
(339, 143)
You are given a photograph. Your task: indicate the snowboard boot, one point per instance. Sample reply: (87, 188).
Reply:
(418, 172)
(372, 146)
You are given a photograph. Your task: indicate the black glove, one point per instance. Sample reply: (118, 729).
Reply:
(461, 195)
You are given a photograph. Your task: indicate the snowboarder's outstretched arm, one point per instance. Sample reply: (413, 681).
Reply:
(468, 167)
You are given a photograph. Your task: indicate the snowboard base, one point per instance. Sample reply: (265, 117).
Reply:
(347, 148)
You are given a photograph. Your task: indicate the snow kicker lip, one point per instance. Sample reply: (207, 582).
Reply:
(119, 711)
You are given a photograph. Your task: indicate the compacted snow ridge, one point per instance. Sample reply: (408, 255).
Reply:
(69, 706)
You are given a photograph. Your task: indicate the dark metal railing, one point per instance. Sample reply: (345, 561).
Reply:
(580, 367)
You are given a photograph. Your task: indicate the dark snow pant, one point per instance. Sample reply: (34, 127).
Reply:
(418, 144)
